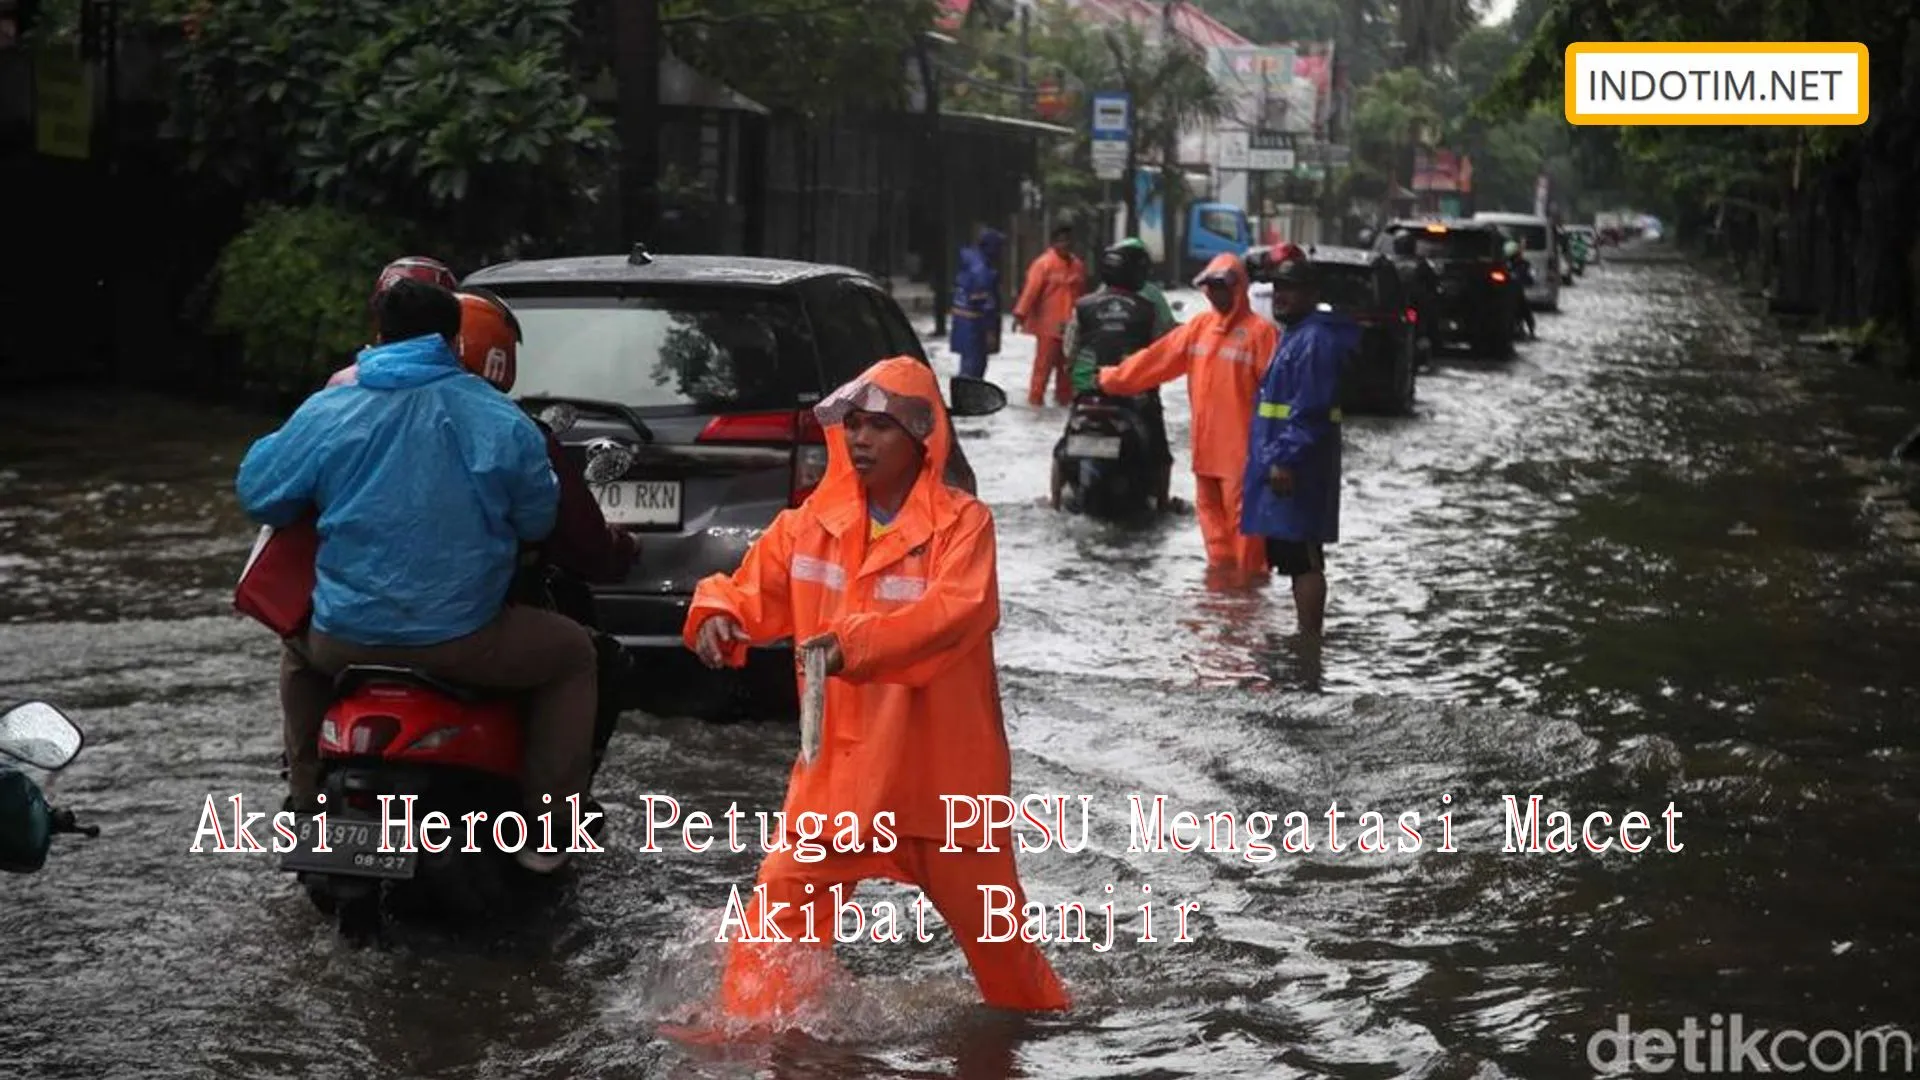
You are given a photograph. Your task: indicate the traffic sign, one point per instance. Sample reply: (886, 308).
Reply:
(1112, 125)
(1112, 115)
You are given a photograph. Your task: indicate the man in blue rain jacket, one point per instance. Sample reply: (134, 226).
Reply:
(425, 481)
(976, 304)
(1292, 486)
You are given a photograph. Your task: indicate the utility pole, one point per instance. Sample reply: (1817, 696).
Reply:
(935, 164)
(1170, 211)
(1026, 61)
(636, 65)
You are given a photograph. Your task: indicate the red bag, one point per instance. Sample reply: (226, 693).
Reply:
(276, 585)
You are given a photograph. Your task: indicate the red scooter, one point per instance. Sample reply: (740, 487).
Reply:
(422, 801)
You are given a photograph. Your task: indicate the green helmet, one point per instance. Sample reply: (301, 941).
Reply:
(1512, 248)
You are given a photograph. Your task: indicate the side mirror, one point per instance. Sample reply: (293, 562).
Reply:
(40, 735)
(974, 397)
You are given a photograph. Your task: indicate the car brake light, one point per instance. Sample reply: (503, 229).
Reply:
(798, 428)
(1498, 277)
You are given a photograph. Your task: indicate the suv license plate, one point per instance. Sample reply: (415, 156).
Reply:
(353, 851)
(1093, 446)
(640, 502)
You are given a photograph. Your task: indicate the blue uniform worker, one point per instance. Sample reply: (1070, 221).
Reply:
(1291, 496)
(975, 333)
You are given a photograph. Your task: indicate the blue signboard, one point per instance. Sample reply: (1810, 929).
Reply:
(1112, 116)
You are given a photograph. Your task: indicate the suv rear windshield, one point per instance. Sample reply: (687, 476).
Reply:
(1347, 288)
(1451, 244)
(1531, 237)
(694, 351)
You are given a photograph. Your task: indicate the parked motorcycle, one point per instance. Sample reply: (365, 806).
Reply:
(34, 733)
(1104, 464)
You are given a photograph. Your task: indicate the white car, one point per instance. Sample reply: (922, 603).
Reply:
(1535, 234)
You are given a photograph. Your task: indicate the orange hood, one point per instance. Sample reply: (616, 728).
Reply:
(908, 391)
(1227, 264)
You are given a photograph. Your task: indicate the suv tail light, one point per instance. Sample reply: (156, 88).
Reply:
(1498, 277)
(798, 428)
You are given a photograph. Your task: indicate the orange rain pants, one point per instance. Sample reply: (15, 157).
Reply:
(761, 983)
(1049, 358)
(1216, 502)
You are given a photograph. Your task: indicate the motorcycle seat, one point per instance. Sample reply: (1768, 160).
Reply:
(355, 676)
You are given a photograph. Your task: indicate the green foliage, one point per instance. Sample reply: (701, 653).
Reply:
(1170, 86)
(460, 113)
(293, 288)
(810, 56)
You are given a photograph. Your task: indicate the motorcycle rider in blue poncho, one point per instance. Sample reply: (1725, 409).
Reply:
(426, 481)
(975, 333)
(1292, 486)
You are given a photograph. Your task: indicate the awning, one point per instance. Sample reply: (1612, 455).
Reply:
(681, 86)
(963, 121)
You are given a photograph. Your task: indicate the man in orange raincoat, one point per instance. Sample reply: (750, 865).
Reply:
(1224, 352)
(1055, 282)
(893, 572)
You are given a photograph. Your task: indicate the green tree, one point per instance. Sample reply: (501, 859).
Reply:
(1734, 183)
(808, 56)
(1167, 80)
(460, 115)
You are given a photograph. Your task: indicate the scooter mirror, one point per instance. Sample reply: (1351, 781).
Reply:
(40, 735)
(559, 417)
(974, 397)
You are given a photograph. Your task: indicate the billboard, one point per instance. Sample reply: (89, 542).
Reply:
(1283, 88)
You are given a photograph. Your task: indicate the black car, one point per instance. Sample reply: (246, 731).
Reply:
(696, 376)
(1366, 287)
(1461, 287)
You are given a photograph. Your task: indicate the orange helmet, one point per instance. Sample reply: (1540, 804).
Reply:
(489, 338)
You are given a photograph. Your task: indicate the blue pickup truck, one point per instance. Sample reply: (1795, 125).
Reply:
(1212, 228)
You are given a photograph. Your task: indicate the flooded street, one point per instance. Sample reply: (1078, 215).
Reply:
(1628, 568)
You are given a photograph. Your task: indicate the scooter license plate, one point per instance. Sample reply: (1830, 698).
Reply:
(1106, 447)
(352, 850)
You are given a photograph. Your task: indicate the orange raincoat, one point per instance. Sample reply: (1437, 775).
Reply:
(1054, 284)
(1225, 358)
(914, 714)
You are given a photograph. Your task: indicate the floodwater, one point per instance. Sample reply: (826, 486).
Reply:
(1629, 569)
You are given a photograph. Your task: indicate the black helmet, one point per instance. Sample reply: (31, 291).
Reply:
(1291, 272)
(1124, 266)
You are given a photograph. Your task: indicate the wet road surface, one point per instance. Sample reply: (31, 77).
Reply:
(1627, 569)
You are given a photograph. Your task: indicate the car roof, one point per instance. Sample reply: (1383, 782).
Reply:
(1503, 217)
(658, 269)
(1450, 223)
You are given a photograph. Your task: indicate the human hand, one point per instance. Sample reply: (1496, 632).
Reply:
(711, 642)
(1280, 480)
(831, 643)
